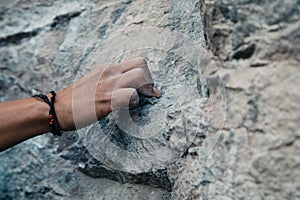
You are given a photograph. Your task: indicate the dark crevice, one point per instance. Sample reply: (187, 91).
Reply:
(204, 182)
(156, 179)
(65, 18)
(244, 52)
(18, 38)
(139, 115)
(94, 168)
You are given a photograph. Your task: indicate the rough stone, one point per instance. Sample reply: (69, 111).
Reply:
(255, 42)
(226, 127)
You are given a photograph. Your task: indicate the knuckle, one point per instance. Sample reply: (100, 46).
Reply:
(141, 61)
(109, 70)
(139, 73)
(133, 93)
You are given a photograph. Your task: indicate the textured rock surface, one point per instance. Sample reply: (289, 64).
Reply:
(226, 127)
(257, 43)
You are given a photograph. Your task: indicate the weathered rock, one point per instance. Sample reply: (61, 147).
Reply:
(256, 42)
(226, 126)
(63, 45)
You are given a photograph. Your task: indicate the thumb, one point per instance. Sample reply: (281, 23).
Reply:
(124, 97)
(150, 91)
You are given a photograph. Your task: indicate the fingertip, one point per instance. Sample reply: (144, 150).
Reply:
(134, 99)
(157, 92)
(124, 98)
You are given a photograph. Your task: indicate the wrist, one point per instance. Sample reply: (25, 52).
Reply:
(63, 109)
(41, 113)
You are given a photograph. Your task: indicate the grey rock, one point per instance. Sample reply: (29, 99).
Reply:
(226, 127)
(260, 75)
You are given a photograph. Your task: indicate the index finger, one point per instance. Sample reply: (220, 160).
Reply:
(141, 63)
(132, 64)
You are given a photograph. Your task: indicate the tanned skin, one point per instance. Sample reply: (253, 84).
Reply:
(91, 98)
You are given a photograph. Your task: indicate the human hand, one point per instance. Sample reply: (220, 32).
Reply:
(105, 88)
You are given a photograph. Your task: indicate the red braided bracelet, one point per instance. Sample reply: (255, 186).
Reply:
(53, 121)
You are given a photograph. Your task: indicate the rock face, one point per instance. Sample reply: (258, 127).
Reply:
(256, 43)
(226, 127)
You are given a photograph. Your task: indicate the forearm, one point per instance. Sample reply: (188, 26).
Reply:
(21, 120)
(91, 98)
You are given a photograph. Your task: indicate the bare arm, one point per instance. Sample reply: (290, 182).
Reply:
(91, 98)
(22, 119)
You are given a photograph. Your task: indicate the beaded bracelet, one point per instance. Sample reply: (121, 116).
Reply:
(53, 121)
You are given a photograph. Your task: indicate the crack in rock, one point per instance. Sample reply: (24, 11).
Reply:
(156, 179)
(65, 18)
(18, 38)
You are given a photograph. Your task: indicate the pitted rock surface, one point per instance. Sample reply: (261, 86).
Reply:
(226, 127)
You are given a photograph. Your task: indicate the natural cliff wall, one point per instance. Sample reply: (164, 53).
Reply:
(226, 127)
(257, 44)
